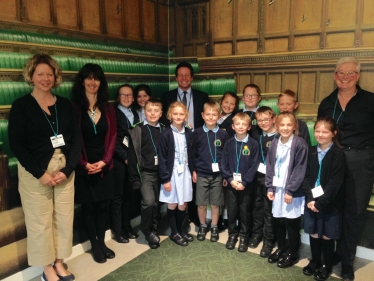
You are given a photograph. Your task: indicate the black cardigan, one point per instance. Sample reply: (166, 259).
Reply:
(332, 179)
(167, 153)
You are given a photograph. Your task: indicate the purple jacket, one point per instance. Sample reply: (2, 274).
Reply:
(297, 166)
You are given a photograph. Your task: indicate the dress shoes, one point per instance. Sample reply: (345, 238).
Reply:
(130, 234)
(69, 277)
(44, 278)
(154, 245)
(311, 268)
(347, 272)
(109, 254)
(187, 237)
(288, 261)
(98, 255)
(254, 241)
(231, 242)
(152, 238)
(266, 250)
(276, 256)
(214, 234)
(202, 233)
(243, 245)
(178, 239)
(120, 237)
(322, 273)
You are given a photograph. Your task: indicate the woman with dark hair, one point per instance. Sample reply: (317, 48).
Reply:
(44, 136)
(142, 94)
(95, 180)
(120, 204)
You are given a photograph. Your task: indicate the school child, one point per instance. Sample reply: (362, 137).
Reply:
(143, 163)
(323, 209)
(240, 160)
(286, 163)
(175, 170)
(287, 102)
(208, 145)
(251, 99)
(261, 211)
(229, 106)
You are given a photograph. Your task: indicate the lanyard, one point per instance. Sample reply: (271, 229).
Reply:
(55, 133)
(280, 160)
(333, 115)
(215, 148)
(189, 102)
(93, 124)
(150, 133)
(319, 173)
(178, 151)
(262, 151)
(238, 156)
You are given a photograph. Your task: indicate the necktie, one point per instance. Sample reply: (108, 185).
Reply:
(184, 100)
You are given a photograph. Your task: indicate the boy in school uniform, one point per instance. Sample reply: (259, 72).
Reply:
(251, 98)
(143, 168)
(208, 145)
(261, 212)
(240, 161)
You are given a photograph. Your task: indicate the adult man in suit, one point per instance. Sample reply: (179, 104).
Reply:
(192, 98)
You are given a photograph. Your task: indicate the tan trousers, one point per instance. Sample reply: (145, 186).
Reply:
(49, 214)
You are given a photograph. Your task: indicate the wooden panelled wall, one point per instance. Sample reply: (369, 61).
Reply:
(138, 20)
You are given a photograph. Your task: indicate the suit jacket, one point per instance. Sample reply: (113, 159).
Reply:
(198, 98)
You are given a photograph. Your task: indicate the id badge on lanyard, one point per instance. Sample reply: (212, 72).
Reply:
(57, 141)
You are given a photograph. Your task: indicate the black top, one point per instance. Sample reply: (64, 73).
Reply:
(303, 131)
(149, 134)
(264, 143)
(227, 125)
(356, 122)
(30, 133)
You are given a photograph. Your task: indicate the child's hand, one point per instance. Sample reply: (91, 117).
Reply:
(224, 183)
(234, 184)
(270, 195)
(194, 176)
(288, 199)
(311, 206)
(167, 186)
(240, 186)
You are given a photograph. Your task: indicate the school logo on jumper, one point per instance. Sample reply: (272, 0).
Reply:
(268, 144)
(254, 122)
(246, 151)
(217, 142)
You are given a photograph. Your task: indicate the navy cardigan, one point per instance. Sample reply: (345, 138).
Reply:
(296, 170)
(166, 153)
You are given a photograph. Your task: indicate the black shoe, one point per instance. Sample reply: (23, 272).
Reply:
(98, 255)
(44, 277)
(109, 254)
(130, 234)
(288, 261)
(323, 273)
(202, 233)
(254, 241)
(120, 237)
(152, 238)
(231, 242)
(243, 245)
(347, 272)
(154, 245)
(214, 234)
(266, 250)
(178, 239)
(187, 237)
(336, 259)
(276, 256)
(311, 268)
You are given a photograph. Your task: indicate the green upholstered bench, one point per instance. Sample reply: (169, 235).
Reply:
(6, 149)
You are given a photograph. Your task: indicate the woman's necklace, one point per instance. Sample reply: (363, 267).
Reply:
(344, 101)
(92, 113)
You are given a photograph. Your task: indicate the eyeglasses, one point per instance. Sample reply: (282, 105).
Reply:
(344, 73)
(126, 95)
(265, 121)
(250, 96)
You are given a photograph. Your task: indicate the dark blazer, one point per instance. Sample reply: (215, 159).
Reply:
(167, 153)
(198, 98)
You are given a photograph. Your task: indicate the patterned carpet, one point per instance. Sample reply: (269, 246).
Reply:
(202, 261)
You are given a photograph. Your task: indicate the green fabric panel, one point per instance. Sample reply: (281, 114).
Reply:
(204, 85)
(220, 86)
(12, 164)
(310, 125)
(272, 103)
(4, 137)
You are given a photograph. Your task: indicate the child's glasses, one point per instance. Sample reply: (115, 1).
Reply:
(265, 121)
(250, 96)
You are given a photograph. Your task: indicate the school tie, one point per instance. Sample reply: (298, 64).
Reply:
(184, 100)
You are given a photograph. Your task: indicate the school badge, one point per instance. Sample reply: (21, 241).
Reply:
(268, 144)
(217, 142)
(246, 151)
(254, 122)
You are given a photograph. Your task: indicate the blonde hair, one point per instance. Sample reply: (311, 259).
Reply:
(348, 60)
(290, 115)
(34, 61)
(212, 105)
(289, 93)
(175, 105)
(242, 116)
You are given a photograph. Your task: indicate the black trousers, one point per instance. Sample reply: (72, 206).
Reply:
(238, 206)
(263, 221)
(358, 187)
(150, 211)
(121, 202)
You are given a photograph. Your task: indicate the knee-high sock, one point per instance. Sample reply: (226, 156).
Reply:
(316, 249)
(328, 248)
(172, 221)
(180, 218)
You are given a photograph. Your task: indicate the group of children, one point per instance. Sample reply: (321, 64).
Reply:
(255, 162)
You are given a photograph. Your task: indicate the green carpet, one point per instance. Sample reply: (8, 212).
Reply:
(202, 261)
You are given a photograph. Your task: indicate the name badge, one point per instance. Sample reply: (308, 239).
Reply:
(215, 167)
(126, 141)
(57, 141)
(156, 160)
(180, 168)
(317, 191)
(262, 168)
(237, 177)
(189, 126)
(279, 182)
